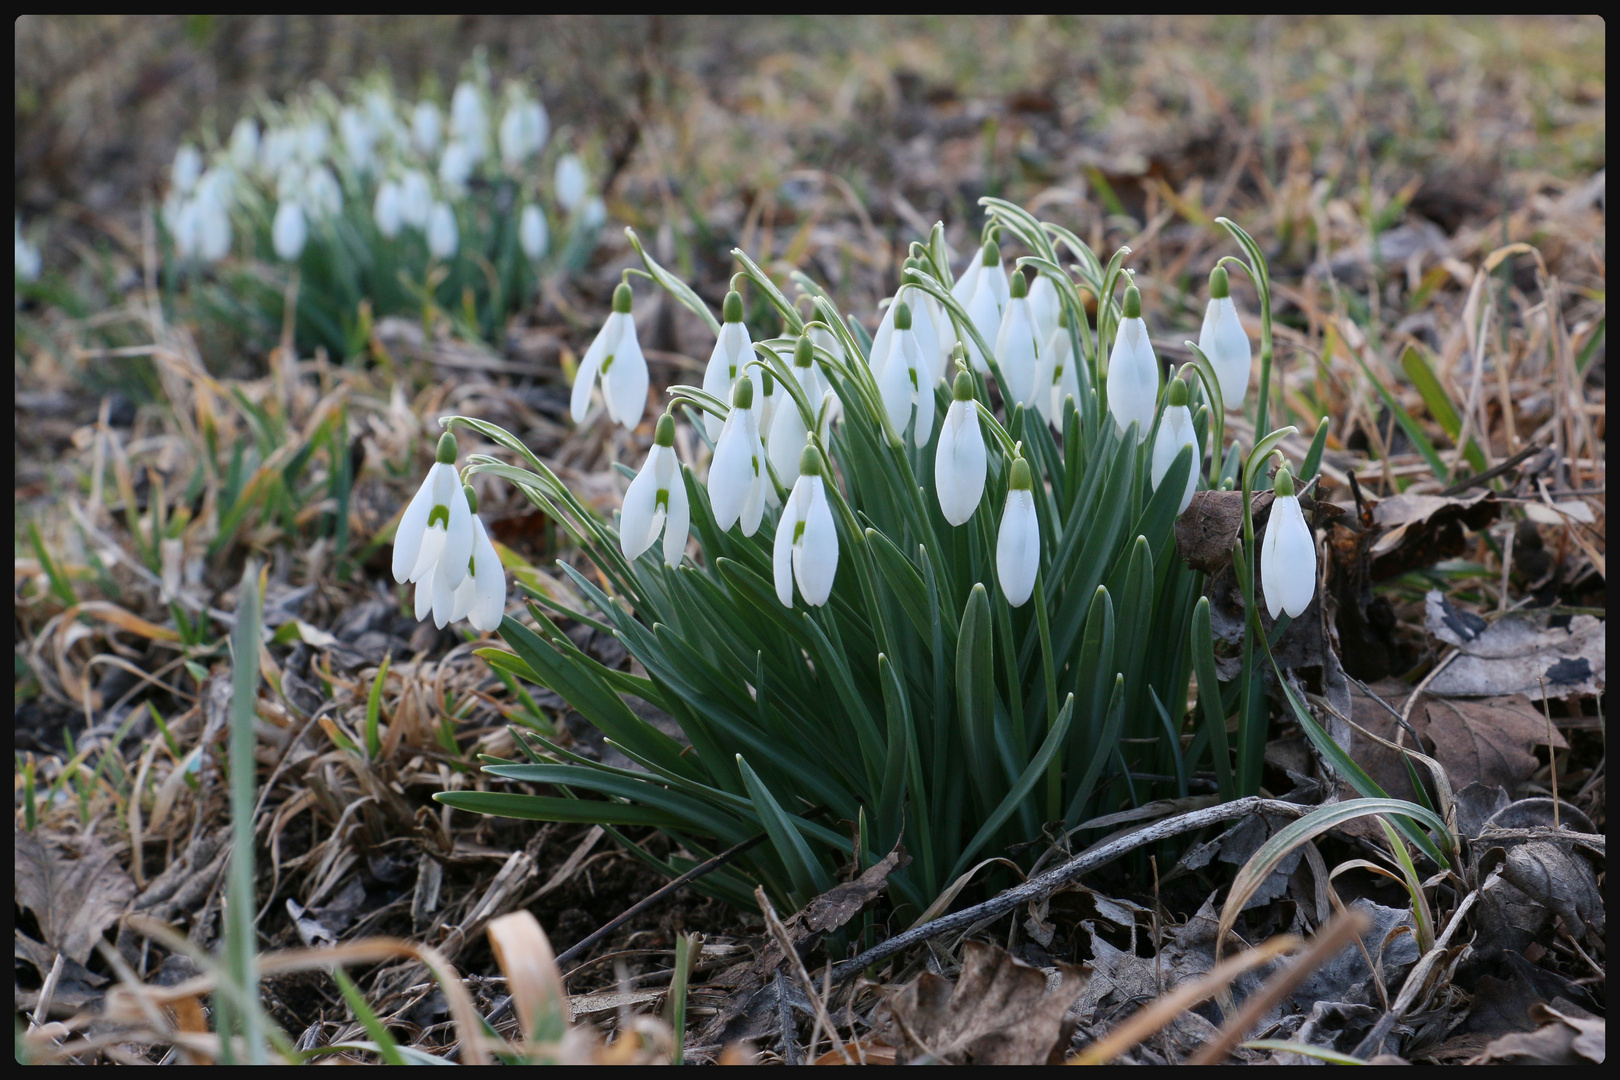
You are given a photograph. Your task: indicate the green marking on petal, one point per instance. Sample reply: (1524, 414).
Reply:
(798, 531)
(607, 363)
(439, 515)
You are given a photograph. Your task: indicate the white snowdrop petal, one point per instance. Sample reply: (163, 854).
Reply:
(678, 525)
(815, 557)
(960, 463)
(636, 516)
(412, 524)
(894, 385)
(489, 579)
(1223, 340)
(1018, 547)
(731, 472)
(585, 378)
(625, 383)
(1292, 575)
(782, 547)
(1133, 379)
(458, 538)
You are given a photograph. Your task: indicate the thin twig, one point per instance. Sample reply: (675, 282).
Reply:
(1058, 877)
(779, 932)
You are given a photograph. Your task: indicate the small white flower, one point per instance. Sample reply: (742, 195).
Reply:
(311, 140)
(481, 596)
(926, 324)
(1044, 306)
(656, 500)
(213, 222)
(187, 170)
(1058, 367)
(523, 129)
(785, 442)
(27, 262)
(806, 546)
(616, 356)
(436, 526)
(594, 213)
(959, 461)
(907, 379)
(289, 231)
(322, 192)
(415, 199)
(1175, 432)
(532, 232)
(425, 127)
(1018, 542)
(456, 166)
(571, 182)
(468, 123)
(1133, 372)
(733, 349)
(737, 474)
(359, 138)
(1224, 341)
(442, 235)
(1287, 553)
(244, 145)
(388, 209)
(1017, 349)
(991, 291)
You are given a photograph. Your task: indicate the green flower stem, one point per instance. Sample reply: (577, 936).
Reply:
(1054, 771)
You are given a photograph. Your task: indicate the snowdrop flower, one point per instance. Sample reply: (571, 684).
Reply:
(616, 356)
(571, 181)
(1017, 348)
(415, 199)
(728, 362)
(324, 193)
(244, 145)
(25, 254)
(1044, 306)
(289, 231)
(990, 295)
(1288, 553)
(276, 150)
(425, 127)
(959, 462)
(1018, 543)
(184, 227)
(1223, 340)
(388, 209)
(907, 379)
(1058, 367)
(523, 129)
(925, 324)
(1175, 432)
(435, 533)
(213, 220)
(532, 234)
(737, 477)
(481, 596)
(806, 548)
(1133, 372)
(359, 138)
(468, 123)
(832, 407)
(787, 429)
(442, 234)
(311, 141)
(456, 166)
(656, 500)
(594, 213)
(187, 170)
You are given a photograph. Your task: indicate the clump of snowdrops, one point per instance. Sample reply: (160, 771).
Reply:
(381, 206)
(929, 591)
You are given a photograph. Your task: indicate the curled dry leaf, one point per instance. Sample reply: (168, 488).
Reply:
(1517, 654)
(1414, 531)
(1567, 1036)
(74, 887)
(1001, 1011)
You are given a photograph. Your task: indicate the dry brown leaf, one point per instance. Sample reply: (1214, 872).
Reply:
(74, 886)
(1420, 530)
(1518, 654)
(1566, 1037)
(1486, 740)
(1000, 1012)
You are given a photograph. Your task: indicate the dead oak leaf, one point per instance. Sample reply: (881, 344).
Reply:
(74, 887)
(1486, 740)
(1000, 1012)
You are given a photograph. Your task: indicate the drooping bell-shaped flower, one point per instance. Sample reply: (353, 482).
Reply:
(415, 199)
(443, 236)
(593, 215)
(388, 209)
(1058, 368)
(737, 478)
(656, 501)
(322, 192)
(959, 461)
(456, 166)
(533, 236)
(733, 349)
(1224, 341)
(312, 139)
(1287, 553)
(1133, 372)
(806, 547)
(831, 408)
(1018, 542)
(1044, 306)
(785, 441)
(1017, 349)
(213, 223)
(426, 126)
(288, 231)
(1176, 431)
(27, 261)
(187, 169)
(481, 596)
(436, 527)
(244, 144)
(907, 380)
(523, 129)
(571, 182)
(923, 325)
(616, 357)
(469, 125)
(359, 138)
(990, 296)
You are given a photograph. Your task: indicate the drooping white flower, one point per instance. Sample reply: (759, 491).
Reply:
(276, 150)
(616, 357)
(907, 379)
(312, 139)
(532, 232)
(244, 144)
(426, 126)
(786, 435)
(443, 237)
(469, 125)
(359, 138)
(388, 209)
(737, 476)
(481, 596)
(1018, 542)
(456, 166)
(322, 192)
(959, 461)
(415, 199)
(27, 262)
(1044, 306)
(733, 349)
(593, 215)
(1224, 341)
(187, 169)
(213, 219)
(1058, 368)
(289, 231)
(1133, 372)
(656, 501)
(925, 325)
(571, 182)
(1017, 348)
(991, 292)
(1176, 431)
(1287, 553)
(806, 546)
(523, 130)
(435, 528)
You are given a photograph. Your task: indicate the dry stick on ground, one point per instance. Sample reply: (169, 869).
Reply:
(1050, 882)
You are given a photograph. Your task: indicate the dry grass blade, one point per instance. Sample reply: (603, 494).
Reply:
(779, 932)
(532, 978)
